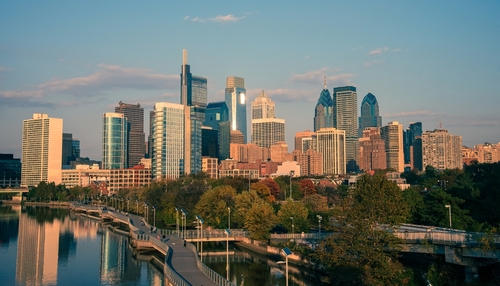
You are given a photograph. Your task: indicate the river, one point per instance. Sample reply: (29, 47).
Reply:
(51, 246)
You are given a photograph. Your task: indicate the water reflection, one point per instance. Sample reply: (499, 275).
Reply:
(50, 246)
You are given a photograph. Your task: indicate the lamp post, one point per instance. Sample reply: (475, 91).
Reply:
(146, 211)
(137, 206)
(286, 251)
(293, 226)
(201, 221)
(449, 214)
(154, 216)
(319, 222)
(292, 172)
(228, 232)
(229, 218)
(184, 215)
(177, 221)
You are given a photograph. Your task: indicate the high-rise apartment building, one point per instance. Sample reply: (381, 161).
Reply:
(345, 117)
(278, 152)
(171, 140)
(441, 150)
(330, 143)
(413, 132)
(372, 150)
(310, 161)
(323, 112)
(41, 150)
(304, 140)
(114, 141)
(266, 129)
(193, 94)
(369, 114)
(236, 103)
(136, 137)
(392, 134)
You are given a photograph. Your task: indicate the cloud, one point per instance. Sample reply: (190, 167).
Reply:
(316, 77)
(378, 51)
(357, 48)
(286, 94)
(195, 19)
(4, 69)
(227, 18)
(397, 50)
(369, 64)
(111, 77)
(412, 113)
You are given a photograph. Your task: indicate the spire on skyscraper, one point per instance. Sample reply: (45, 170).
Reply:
(324, 80)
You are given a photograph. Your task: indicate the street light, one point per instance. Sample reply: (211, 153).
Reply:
(177, 221)
(228, 232)
(319, 222)
(184, 215)
(137, 206)
(293, 226)
(292, 172)
(229, 218)
(286, 252)
(154, 216)
(201, 235)
(449, 209)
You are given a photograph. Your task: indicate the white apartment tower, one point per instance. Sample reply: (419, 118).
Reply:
(330, 142)
(41, 150)
(441, 150)
(392, 134)
(266, 129)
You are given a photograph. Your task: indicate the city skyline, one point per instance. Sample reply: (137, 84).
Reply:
(54, 60)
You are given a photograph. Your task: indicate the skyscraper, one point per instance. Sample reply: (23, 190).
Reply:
(136, 137)
(372, 150)
(331, 144)
(392, 134)
(67, 149)
(413, 131)
(236, 103)
(304, 141)
(369, 114)
(217, 117)
(171, 139)
(345, 117)
(323, 113)
(193, 94)
(266, 129)
(114, 141)
(41, 150)
(441, 150)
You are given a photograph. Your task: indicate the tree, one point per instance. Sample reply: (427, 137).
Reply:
(213, 204)
(259, 220)
(363, 252)
(263, 191)
(243, 203)
(273, 187)
(307, 187)
(316, 203)
(298, 211)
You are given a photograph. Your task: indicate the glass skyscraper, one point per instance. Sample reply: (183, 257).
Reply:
(323, 113)
(136, 137)
(413, 132)
(114, 141)
(369, 114)
(236, 103)
(217, 117)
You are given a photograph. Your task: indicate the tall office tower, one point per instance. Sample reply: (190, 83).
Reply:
(441, 150)
(41, 150)
(237, 104)
(135, 118)
(10, 171)
(266, 129)
(392, 134)
(345, 117)
(217, 117)
(304, 141)
(210, 142)
(330, 143)
(171, 141)
(114, 141)
(369, 114)
(67, 149)
(372, 150)
(413, 131)
(76, 148)
(150, 136)
(323, 113)
(193, 94)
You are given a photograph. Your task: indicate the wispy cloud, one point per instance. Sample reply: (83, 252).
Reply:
(286, 94)
(378, 51)
(369, 64)
(357, 48)
(396, 50)
(4, 69)
(413, 113)
(316, 77)
(229, 18)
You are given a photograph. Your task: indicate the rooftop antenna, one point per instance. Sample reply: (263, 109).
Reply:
(184, 57)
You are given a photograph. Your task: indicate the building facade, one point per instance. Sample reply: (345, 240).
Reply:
(136, 137)
(236, 102)
(413, 132)
(330, 143)
(369, 114)
(372, 150)
(392, 134)
(210, 166)
(345, 117)
(114, 141)
(10, 171)
(323, 112)
(41, 150)
(441, 150)
(304, 140)
(310, 161)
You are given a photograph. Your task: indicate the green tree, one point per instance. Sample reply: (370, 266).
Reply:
(298, 211)
(213, 206)
(363, 252)
(263, 191)
(259, 220)
(243, 203)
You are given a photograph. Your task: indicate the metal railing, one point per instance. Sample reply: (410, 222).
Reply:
(299, 235)
(458, 237)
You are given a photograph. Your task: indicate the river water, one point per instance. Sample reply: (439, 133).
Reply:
(51, 246)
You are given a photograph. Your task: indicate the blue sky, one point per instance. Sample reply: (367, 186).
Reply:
(428, 61)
